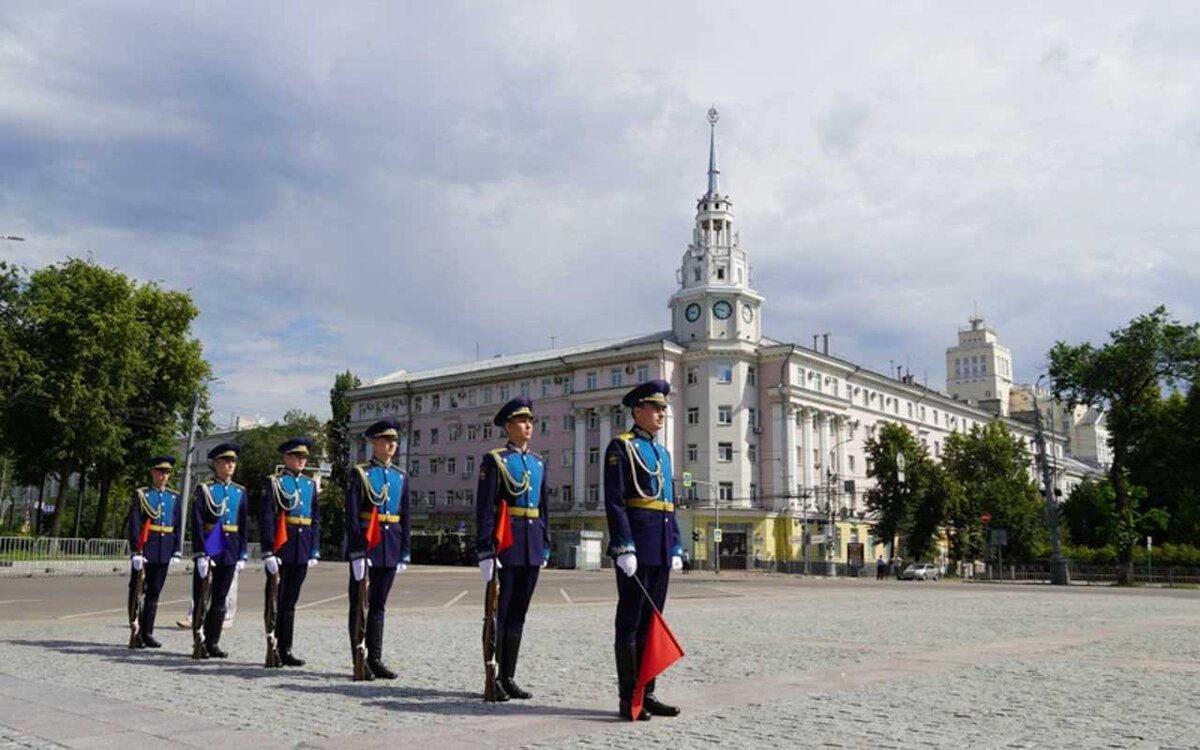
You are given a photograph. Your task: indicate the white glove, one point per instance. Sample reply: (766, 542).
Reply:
(202, 566)
(240, 565)
(487, 568)
(401, 567)
(174, 560)
(312, 562)
(676, 562)
(358, 568)
(137, 561)
(627, 563)
(271, 565)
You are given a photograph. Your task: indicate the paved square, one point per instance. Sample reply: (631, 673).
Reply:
(771, 662)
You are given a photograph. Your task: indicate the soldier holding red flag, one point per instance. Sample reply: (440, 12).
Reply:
(378, 538)
(639, 501)
(513, 536)
(154, 520)
(290, 530)
(219, 532)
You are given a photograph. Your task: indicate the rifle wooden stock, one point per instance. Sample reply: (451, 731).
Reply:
(271, 622)
(491, 667)
(199, 614)
(360, 631)
(135, 608)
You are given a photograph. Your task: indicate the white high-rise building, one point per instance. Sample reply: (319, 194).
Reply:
(979, 369)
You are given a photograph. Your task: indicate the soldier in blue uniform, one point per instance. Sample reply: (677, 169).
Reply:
(380, 486)
(639, 500)
(157, 514)
(218, 515)
(294, 496)
(516, 477)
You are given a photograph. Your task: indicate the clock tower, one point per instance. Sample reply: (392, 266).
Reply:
(714, 302)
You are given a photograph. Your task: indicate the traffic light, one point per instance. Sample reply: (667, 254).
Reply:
(695, 535)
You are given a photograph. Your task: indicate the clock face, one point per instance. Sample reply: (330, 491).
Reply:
(692, 312)
(722, 309)
(747, 313)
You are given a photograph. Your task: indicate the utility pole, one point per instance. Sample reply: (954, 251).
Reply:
(82, 491)
(187, 465)
(1060, 575)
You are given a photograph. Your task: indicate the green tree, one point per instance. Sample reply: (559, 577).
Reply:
(991, 465)
(1166, 461)
(337, 439)
(1088, 513)
(260, 454)
(1124, 377)
(912, 505)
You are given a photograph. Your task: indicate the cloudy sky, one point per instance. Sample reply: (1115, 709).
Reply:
(392, 185)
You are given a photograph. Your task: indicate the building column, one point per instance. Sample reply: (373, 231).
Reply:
(778, 468)
(580, 461)
(402, 449)
(789, 457)
(806, 437)
(823, 442)
(605, 436)
(839, 423)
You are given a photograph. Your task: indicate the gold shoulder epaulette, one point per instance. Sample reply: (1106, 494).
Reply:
(626, 435)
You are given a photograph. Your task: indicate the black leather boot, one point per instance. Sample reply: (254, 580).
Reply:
(375, 651)
(284, 629)
(655, 706)
(212, 635)
(627, 665)
(146, 624)
(509, 650)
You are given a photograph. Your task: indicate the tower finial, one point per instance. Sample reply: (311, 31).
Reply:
(713, 116)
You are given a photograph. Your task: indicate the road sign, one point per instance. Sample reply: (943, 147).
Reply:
(717, 536)
(687, 479)
(1149, 543)
(986, 517)
(998, 537)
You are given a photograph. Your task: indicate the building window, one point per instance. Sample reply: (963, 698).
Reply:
(566, 386)
(751, 452)
(545, 387)
(415, 470)
(568, 422)
(433, 466)
(487, 394)
(593, 420)
(691, 494)
(591, 381)
(487, 430)
(850, 459)
(691, 376)
(568, 458)
(696, 273)
(643, 373)
(568, 494)
(505, 393)
(433, 436)
(470, 465)
(753, 491)
(472, 432)
(454, 432)
(751, 375)
(468, 497)
(725, 452)
(752, 418)
(418, 403)
(693, 415)
(692, 452)
(593, 493)
(524, 389)
(435, 402)
(724, 372)
(725, 491)
(471, 397)
(725, 414)
(453, 401)
(416, 437)
(432, 498)
(451, 465)
(543, 426)
(720, 273)
(614, 377)
(593, 456)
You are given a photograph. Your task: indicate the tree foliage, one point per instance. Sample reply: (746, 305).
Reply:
(912, 504)
(1125, 377)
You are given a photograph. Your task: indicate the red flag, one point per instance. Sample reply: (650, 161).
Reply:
(373, 535)
(662, 650)
(145, 535)
(280, 533)
(503, 533)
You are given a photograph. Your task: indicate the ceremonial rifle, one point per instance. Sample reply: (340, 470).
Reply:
(271, 622)
(199, 613)
(360, 631)
(491, 667)
(137, 597)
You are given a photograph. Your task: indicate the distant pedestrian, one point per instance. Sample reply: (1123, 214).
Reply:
(880, 569)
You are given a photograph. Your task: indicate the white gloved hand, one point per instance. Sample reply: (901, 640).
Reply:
(358, 568)
(676, 562)
(202, 566)
(240, 565)
(487, 568)
(271, 565)
(137, 561)
(401, 567)
(312, 562)
(174, 560)
(627, 563)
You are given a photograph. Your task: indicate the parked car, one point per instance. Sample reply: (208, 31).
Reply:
(921, 572)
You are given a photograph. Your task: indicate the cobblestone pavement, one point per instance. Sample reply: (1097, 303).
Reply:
(770, 662)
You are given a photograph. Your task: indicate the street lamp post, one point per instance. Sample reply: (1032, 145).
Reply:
(901, 465)
(1060, 575)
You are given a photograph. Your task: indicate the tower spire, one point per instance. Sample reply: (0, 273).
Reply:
(713, 172)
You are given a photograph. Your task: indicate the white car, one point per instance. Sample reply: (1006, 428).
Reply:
(921, 572)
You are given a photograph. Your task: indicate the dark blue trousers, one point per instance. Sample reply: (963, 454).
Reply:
(517, 583)
(379, 585)
(152, 586)
(291, 578)
(633, 611)
(222, 579)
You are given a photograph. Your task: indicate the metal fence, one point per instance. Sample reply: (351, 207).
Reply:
(1096, 574)
(24, 557)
